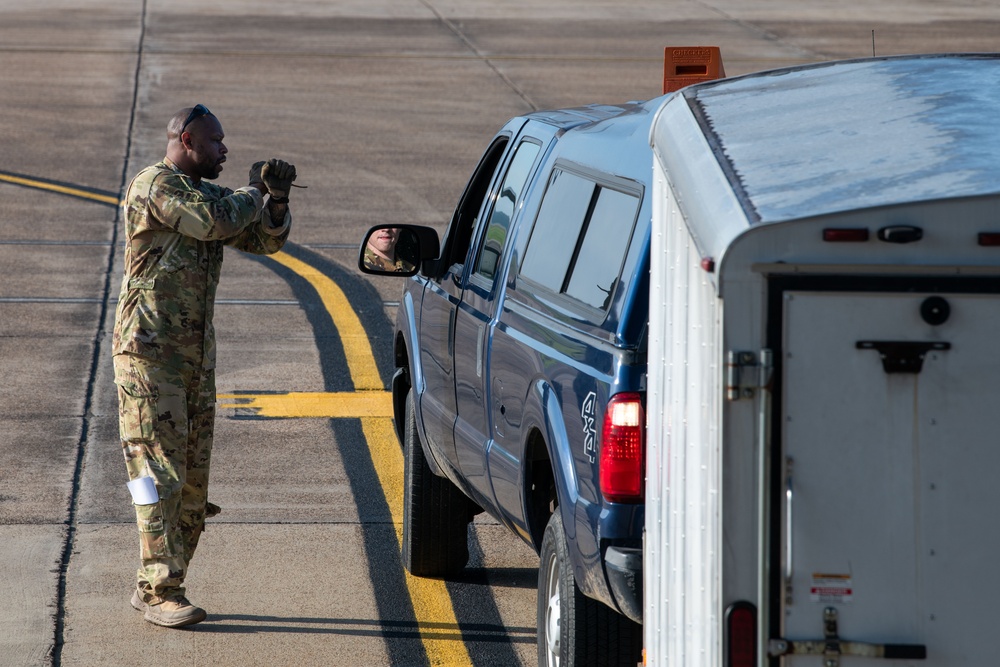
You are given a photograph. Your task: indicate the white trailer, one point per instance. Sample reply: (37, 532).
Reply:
(823, 401)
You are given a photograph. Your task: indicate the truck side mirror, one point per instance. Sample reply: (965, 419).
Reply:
(397, 250)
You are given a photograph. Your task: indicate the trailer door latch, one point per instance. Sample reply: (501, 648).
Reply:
(902, 356)
(831, 647)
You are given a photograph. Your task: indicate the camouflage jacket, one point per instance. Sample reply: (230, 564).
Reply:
(373, 261)
(175, 231)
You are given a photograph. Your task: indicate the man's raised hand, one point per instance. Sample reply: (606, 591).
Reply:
(278, 176)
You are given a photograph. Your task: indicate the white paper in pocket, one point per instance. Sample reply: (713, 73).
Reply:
(143, 491)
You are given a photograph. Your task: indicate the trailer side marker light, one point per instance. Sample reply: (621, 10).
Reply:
(989, 239)
(708, 264)
(741, 635)
(845, 235)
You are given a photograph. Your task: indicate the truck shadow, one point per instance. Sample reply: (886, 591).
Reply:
(515, 577)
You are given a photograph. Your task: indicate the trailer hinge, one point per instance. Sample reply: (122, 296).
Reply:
(745, 374)
(831, 647)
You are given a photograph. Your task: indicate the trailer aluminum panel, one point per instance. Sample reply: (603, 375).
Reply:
(858, 134)
(683, 465)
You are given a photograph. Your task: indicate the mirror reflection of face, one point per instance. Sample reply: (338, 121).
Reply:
(383, 241)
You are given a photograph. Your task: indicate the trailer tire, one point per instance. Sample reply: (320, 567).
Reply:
(436, 515)
(574, 630)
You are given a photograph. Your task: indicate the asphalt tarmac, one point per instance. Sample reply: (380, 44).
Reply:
(384, 106)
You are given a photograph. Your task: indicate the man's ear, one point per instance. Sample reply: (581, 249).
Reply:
(186, 140)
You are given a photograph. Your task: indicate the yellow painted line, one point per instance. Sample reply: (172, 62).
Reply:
(436, 621)
(326, 405)
(360, 360)
(61, 189)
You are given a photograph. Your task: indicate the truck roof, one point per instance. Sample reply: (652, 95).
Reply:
(827, 138)
(613, 139)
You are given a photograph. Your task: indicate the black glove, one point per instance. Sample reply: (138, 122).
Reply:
(278, 176)
(256, 181)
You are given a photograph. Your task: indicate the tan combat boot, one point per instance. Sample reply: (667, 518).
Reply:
(172, 613)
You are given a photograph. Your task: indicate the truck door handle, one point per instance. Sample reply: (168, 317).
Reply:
(479, 351)
(451, 331)
(789, 552)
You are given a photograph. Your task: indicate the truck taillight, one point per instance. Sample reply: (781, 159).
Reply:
(741, 635)
(623, 446)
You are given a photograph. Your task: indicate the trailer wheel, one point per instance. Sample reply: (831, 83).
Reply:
(436, 514)
(574, 630)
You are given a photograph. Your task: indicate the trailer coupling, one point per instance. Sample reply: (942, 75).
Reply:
(831, 647)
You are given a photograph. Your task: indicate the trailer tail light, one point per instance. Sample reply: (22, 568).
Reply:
(623, 449)
(990, 239)
(741, 635)
(848, 235)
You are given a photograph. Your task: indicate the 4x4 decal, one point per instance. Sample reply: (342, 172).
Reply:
(588, 412)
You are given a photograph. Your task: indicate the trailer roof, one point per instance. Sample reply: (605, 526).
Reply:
(826, 138)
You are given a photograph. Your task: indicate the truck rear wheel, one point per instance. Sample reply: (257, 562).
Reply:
(436, 514)
(574, 630)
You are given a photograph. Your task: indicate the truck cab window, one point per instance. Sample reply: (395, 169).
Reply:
(495, 236)
(463, 224)
(553, 239)
(580, 238)
(597, 265)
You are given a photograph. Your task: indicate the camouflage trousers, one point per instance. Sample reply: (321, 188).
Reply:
(166, 419)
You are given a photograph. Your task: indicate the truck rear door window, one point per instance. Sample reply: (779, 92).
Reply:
(580, 238)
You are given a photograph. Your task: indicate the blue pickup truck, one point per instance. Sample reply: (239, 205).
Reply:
(520, 354)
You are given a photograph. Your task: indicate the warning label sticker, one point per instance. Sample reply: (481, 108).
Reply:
(829, 588)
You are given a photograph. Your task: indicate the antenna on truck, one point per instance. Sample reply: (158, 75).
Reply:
(684, 65)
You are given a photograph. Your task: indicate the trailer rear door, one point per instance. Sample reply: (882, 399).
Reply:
(887, 484)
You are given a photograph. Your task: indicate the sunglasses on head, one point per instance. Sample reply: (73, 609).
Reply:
(198, 111)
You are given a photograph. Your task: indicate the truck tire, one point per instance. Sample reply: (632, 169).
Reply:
(436, 514)
(574, 630)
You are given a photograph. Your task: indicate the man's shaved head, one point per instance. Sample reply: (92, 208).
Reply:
(176, 124)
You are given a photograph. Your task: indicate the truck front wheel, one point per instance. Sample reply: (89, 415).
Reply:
(574, 630)
(436, 514)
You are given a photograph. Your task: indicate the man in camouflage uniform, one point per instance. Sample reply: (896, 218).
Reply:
(380, 251)
(177, 224)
